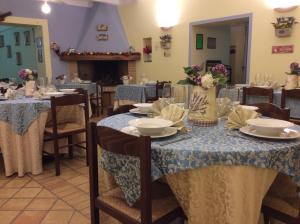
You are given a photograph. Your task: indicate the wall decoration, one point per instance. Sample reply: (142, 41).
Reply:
(27, 38)
(283, 26)
(286, 49)
(165, 41)
(8, 51)
(2, 43)
(147, 50)
(18, 58)
(102, 37)
(40, 55)
(211, 43)
(17, 38)
(102, 27)
(199, 41)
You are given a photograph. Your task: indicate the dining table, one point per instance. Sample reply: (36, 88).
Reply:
(91, 87)
(217, 175)
(22, 124)
(236, 94)
(134, 93)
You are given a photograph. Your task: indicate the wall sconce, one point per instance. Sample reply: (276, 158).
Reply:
(283, 5)
(167, 13)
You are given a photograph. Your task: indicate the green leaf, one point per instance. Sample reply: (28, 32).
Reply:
(185, 82)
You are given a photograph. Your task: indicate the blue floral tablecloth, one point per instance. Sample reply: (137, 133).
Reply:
(234, 95)
(207, 147)
(20, 113)
(137, 93)
(90, 87)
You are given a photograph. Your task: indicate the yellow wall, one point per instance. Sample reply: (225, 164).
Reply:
(139, 21)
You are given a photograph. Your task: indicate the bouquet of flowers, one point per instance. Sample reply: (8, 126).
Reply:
(195, 76)
(295, 69)
(126, 77)
(61, 77)
(28, 74)
(147, 50)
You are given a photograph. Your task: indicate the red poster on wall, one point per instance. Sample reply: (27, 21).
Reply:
(283, 49)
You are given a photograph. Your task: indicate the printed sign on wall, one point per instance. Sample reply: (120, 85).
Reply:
(283, 49)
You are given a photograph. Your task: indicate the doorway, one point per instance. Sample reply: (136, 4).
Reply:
(223, 40)
(25, 44)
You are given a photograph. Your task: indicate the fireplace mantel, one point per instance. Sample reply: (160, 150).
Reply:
(101, 57)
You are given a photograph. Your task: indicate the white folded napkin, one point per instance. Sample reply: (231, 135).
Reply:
(238, 117)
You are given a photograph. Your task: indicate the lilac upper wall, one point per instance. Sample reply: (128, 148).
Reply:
(72, 26)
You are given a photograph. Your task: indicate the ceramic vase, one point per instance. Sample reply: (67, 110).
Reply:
(203, 107)
(30, 88)
(126, 82)
(284, 32)
(291, 82)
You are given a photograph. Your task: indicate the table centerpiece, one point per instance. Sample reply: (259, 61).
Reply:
(203, 105)
(30, 77)
(292, 81)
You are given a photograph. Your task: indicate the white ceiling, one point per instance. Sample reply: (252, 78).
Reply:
(89, 3)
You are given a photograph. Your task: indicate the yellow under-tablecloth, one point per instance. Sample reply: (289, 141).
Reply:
(222, 194)
(23, 153)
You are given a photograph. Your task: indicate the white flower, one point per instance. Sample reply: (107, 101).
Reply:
(28, 71)
(207, 81)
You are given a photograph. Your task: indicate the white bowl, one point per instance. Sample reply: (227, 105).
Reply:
(150, 126)
(67, 90)
(143, 107)
(249, 107)
(272, 127)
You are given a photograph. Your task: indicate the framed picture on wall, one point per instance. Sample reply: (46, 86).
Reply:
(40, 55)
(2, 41)
(8, 51)
(102, 37)
(102, 27)
(18, 58)
(17, 38)
(211, 43)
(199, 41)
(27, 38)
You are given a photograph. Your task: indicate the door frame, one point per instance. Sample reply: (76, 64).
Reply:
(43, 23)
(241, 16)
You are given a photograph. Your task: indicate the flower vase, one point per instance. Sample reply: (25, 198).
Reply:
(61, 81)
(30, 88)
(126, 82)
(291, 82)
(203, 107)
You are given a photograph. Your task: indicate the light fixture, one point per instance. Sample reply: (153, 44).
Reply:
(167, 13)
(46, 9)
(283, 5)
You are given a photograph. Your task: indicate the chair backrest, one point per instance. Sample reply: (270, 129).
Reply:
(120, 143)
(69, 100)
(292, 93)
(120, 110)
(271, 110)
(159, 88)
(257, 91)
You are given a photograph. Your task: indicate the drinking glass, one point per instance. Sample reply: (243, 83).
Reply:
(178, 93)
(167, 90)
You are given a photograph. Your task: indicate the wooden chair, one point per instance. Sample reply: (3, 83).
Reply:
(293, 94)
(271, 110)
(66, 130)
(257, 91)
(159, 89)
(98, 98)
(283, 204)
(156, 205)
(120, 110)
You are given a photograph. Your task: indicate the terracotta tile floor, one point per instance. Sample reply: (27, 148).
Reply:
(48, 199)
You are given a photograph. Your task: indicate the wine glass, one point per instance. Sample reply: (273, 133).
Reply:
(178, 94)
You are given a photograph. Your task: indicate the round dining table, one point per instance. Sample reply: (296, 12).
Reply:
(217, 175)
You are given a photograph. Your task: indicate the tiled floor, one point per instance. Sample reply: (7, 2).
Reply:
(48, 199)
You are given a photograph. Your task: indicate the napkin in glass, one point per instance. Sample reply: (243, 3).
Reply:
(176, 114)
(158, 105)
(238, 117)
(224, 106)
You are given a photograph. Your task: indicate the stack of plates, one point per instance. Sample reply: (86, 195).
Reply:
(270, 128)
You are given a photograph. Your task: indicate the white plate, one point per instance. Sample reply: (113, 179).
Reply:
(166, 133)
(288, 134)
(67, 90)
(137, 111)
(150, 126)
(54, 94)
(143, 107)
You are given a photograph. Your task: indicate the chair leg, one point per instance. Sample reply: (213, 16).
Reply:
(56, 157)
(95, 218)
(70, 142)
(87, 147)
(266, 219)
